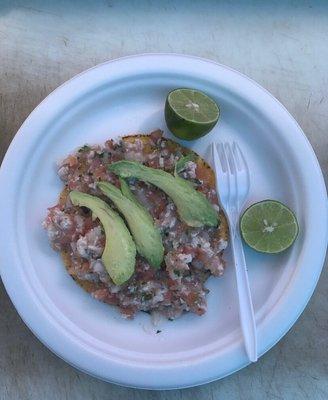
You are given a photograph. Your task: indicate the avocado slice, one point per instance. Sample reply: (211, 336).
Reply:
(120, 251)
(126, 191)
(146, 236)
(193, 207)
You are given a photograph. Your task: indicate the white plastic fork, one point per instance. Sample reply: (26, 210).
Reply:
(232, 185)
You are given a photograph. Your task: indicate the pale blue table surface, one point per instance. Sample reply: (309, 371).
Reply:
(283, 45)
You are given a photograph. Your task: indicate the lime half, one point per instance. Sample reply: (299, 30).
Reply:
(190, 114)
(269, 226)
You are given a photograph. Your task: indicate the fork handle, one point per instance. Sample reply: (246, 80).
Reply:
(246, 311)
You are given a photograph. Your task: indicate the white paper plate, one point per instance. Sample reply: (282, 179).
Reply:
(127, 96)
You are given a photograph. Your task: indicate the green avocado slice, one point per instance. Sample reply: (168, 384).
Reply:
(193, 207)
(145, 234)
(126, 191)
(120, 251)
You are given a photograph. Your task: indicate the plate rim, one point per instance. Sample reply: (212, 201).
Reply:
(6, 277)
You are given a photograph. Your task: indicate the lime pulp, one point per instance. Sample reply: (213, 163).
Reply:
(190, 113)
(269, 226)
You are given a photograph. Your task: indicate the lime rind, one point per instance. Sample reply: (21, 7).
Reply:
(269, 226)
